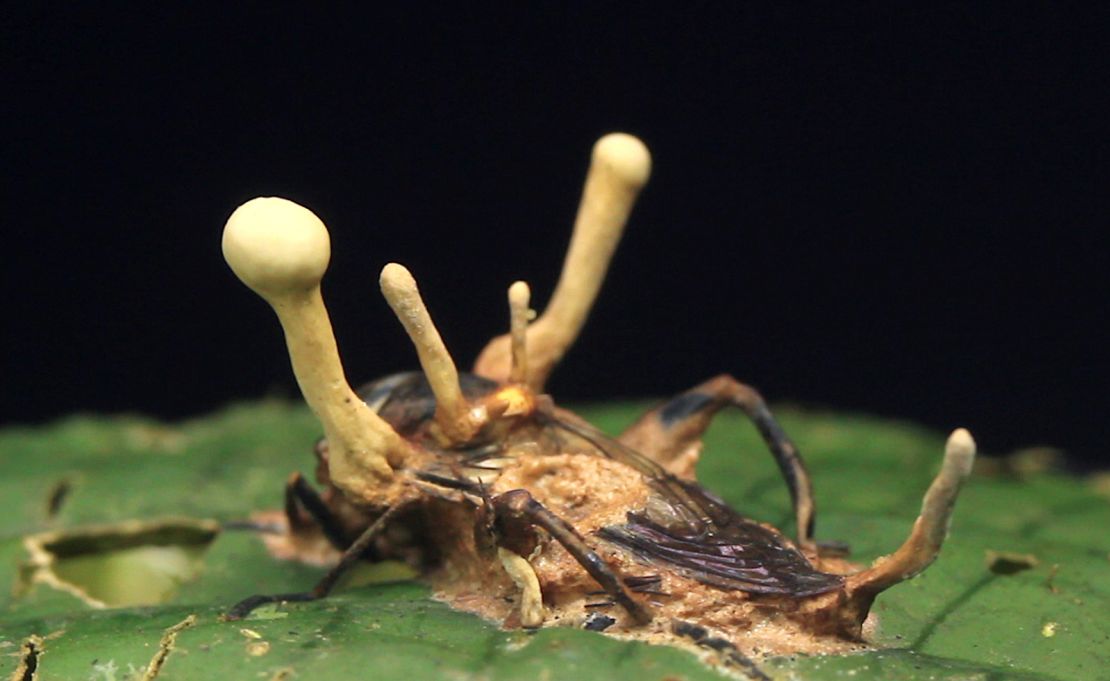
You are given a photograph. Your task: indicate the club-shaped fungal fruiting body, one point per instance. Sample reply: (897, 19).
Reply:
(521, 511)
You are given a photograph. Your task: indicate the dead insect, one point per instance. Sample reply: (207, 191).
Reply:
(521, 511)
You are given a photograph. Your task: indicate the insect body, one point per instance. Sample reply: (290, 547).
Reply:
(520, 510)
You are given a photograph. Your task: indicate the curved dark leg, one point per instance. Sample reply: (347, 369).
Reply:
(351, 556)
(666, 431)
(520, 508)
(304, 509)
(300, 495)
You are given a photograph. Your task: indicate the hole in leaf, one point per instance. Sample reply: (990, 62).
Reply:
(29, 654)
(132, 563)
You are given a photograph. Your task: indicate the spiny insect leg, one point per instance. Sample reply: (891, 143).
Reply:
(351, 556)
(665, 432)
(519, 505)
(301, 498)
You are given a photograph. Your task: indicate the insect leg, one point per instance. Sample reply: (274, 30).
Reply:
(351, 556)
(519, 505)
(664, 433)
(301, 498)
(730, 654)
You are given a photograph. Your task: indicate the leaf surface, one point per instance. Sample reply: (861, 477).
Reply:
(959, 620)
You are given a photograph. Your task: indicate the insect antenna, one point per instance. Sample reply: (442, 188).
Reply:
(280, 250)
(619, 168)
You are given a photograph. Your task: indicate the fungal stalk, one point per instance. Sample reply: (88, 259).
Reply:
(619, 168)
(280, 250)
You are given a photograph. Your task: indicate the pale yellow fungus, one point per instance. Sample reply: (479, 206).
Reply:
(519, 297)
(281, 250)
(522, 574)
(453, 413)
(619, 168)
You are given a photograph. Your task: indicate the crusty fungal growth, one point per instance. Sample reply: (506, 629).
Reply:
(619, 168)
(281, 250)
(931, 527)
(521, 511)
(844, 613)
(522, 574)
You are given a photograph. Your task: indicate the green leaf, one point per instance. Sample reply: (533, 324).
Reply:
(1045, 618)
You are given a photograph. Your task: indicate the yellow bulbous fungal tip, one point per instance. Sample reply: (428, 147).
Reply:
(959, 452)
(519, 295)
(519, 316)
(620, 166)
(396, 279)
(275, 246)
(626, 156)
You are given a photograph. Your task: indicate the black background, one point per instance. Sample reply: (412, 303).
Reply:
(896, 211)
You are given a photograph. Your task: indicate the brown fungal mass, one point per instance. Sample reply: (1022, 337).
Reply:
(523, 513)
(592, 493)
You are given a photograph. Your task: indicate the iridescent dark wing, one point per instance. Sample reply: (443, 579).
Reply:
(697, 534)
(684, 526)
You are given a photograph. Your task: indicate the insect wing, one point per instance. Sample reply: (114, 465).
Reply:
(689, 529)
